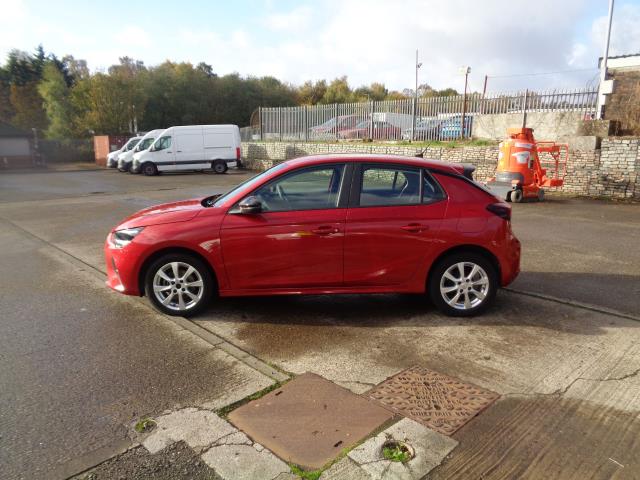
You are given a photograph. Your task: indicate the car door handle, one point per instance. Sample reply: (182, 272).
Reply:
(325, 230)
(179, 151)
(169, 151)
(414, 227)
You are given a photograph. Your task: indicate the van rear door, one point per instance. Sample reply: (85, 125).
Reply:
(189, 151)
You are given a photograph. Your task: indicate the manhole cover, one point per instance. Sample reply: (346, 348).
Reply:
(439, 402)
(310, 420)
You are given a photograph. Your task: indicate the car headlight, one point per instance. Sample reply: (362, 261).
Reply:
(122, 238)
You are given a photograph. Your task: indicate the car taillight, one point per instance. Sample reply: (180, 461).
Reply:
(237, 153)
(500, 209)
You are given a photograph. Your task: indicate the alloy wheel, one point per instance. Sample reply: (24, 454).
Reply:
(178, 286)
(464, 285)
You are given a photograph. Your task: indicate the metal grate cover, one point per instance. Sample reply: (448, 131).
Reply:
(437, 401)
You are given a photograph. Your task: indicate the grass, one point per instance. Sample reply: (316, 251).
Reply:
(306, 475)
(396, 452)
(144, 425)
(224, 411)
(405, 143)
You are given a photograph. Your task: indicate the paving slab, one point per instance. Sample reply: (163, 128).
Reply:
(198, 428)
(430, 448)
(438, 401)
(244, 462)
(345, 469)
(309, 420)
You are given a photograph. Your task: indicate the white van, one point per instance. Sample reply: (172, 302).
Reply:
(112, 158)
(131, 144)
(127, 158)
(192, 147)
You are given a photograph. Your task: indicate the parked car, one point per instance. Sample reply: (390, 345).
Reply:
(112, 158)
(129, 163)
(192, 147)
(323, 225)
(131, 144)
(380, 131)
(450, 129)
(426, 129)
(331, 126)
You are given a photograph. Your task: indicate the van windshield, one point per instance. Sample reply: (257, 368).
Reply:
(144, 144)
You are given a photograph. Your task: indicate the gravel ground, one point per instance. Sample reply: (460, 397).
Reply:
(175, 462)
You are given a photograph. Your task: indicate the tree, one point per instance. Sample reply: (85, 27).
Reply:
(311, 93)
(338, 91)
(27, 105)
(55, 93)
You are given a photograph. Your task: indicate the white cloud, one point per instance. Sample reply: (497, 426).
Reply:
(367, 40)
(297, 19)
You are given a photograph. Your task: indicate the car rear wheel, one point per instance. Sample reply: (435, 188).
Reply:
(220, 166)
(179, 284)
(463, 284)
(149, 169)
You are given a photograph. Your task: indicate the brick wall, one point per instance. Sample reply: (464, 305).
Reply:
(613, 171)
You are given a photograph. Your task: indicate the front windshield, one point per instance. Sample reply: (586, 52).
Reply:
(144, 144)
(132, 143)
(248, 184)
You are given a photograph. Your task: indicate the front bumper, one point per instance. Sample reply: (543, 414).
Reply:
(123, 265)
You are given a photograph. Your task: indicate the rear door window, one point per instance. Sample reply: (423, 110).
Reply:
(388, 185)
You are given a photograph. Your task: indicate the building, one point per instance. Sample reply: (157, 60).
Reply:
(16, 147)
(622, 104)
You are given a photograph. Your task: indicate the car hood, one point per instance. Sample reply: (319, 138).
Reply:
(164, 213)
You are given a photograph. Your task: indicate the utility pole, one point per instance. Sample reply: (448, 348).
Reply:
(605, 87)
(415, 100)
(465, 71)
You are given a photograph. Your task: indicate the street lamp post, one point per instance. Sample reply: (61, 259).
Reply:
(465, 71)
(604, 86)
(415, 100)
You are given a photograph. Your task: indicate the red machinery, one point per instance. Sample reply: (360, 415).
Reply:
(520, 174)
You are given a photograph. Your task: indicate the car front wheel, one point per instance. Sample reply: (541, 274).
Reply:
(463, 285)
(179, 284)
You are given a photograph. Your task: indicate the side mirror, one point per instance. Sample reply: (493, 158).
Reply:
(250, 205)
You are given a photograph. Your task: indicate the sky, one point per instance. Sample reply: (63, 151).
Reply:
(366, 40)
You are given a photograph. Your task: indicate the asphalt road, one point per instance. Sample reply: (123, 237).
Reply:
(81, 363)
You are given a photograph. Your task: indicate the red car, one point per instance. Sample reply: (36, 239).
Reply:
(321, 225)
(380, 130)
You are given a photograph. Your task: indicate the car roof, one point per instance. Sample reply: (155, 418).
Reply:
(375, 158)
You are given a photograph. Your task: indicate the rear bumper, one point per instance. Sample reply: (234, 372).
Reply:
(509, 258)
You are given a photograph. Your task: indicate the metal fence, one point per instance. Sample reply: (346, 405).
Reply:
(431, 118)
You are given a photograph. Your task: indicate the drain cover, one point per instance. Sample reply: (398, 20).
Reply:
(439, 402)
(310, 420)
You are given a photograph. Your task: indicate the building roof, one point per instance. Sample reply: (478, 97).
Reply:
(7, 130)
(631, 60)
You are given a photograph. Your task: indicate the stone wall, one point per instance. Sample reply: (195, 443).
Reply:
(551, 126)
(623, 105)
(612, 171)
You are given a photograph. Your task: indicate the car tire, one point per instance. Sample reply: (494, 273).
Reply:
(477, 285)
(149, 169)
(516, 196)
(184, 294)
(219, 166)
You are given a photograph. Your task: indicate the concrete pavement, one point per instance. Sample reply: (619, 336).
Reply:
(568, 376)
